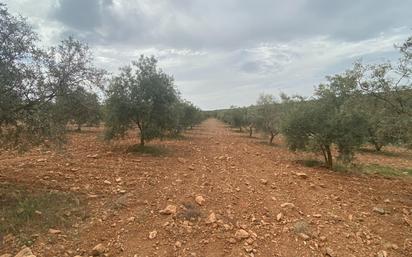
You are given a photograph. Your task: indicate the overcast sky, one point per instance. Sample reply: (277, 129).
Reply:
(227, 52)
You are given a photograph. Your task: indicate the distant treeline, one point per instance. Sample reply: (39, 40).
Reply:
(367, 104)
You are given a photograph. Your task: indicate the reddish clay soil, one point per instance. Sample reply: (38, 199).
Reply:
(263, 204)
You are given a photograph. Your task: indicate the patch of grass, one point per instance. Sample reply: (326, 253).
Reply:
(343, 167)
(382, 152)
(311, 163)
(174, 137)
(301, 227)
(386, 170)
(24, 213)
(268, 144)
(147, 149)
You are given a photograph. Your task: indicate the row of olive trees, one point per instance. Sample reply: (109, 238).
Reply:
(263, 117)
(365, 105)
(44, 90)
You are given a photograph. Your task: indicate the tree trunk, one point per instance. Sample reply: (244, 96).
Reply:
(378, 147)
(139, 125)
(272, 136)
(250, 131)
(374, 142)
(327, 155)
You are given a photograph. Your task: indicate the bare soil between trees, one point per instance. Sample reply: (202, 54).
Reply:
(285, 208)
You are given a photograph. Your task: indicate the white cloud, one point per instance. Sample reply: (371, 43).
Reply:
(227, 52)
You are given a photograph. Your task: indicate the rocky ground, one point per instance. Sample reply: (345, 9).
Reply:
(215, 193)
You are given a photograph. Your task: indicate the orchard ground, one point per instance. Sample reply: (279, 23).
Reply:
(256, 199)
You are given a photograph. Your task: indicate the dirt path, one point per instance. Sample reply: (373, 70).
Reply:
(284, 208)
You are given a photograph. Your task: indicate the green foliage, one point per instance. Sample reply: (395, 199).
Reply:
(32, 78)
(251, 119)
(383, 127)
(79, 107)
(268, 118)
(328, 120)
(389, 88)
(144, 96)
(235, 117)
(390, 83)
(184, 116)
(238, 117)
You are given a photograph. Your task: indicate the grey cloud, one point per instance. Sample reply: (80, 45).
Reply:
(79, 14)
(221, 48)
(230, 24)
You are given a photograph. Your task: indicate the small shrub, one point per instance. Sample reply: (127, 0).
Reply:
(310, 163)
(146, 149)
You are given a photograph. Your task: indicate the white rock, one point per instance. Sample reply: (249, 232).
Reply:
(279, 216)
(169, 210)
(304, 236)
(284, 205)
(242, 234)
(26, 252)
(153, 234)
(200, 200)
(54, 231)
(302, 175)
(382, 253)
(98, 250)
(379, 210)
(211, 218)
(330, 252)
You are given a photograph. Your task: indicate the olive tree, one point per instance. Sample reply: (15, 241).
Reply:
(184, 115)
(251, 119)
(32, 78)
(237, 117)
(79, 107)
(268, 116)
(383, 127)
(328, 120)
(141, 95)
(192, 115)
(389, 85)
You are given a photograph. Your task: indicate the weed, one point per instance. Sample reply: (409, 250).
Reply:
(385, 170)
(24, 212)
(174, 137)
(149, 150)
(190, 212)
(310, 163)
